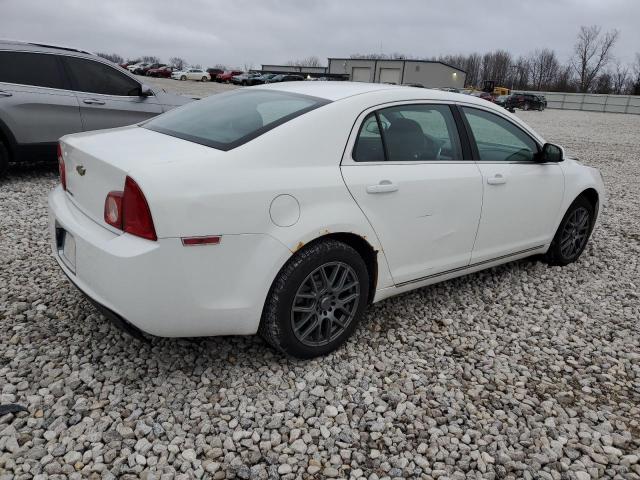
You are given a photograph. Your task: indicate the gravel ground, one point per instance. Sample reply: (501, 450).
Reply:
(522, 371)
(188, 87)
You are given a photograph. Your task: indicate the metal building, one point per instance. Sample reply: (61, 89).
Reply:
(424, 72)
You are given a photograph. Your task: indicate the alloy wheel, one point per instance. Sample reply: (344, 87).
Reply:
(325, 304)
(575, 233)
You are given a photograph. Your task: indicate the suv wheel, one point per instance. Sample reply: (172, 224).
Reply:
(317, 300)
(526, 106)
(573, 233)
(4, 159)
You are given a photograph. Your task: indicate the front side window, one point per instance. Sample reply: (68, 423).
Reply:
(498, 139)
(37, 69)
(409, 133)
(95, 77)
(227, 120)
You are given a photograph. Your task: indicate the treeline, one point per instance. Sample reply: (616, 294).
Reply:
(592, 68)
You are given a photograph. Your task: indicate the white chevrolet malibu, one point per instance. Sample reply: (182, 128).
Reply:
(286, 209)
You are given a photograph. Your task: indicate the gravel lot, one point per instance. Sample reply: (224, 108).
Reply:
(521, 371)
(189, 87)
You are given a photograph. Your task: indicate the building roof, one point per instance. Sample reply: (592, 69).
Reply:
(398, 60)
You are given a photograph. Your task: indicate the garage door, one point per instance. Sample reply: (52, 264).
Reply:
(390, 75)
(361, 74)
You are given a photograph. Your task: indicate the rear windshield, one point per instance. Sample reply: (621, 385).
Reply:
(227, 120)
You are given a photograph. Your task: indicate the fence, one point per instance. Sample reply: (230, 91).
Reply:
(592, 102)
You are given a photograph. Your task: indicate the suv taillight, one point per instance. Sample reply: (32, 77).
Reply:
(129, 211)
(61, 169)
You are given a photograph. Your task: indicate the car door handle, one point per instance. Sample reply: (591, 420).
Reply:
(385, 186)
(93, 101)
(497, 179)
(5, 94)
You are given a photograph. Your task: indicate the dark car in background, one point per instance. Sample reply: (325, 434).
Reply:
(526, 101)
(162, 72)
(246, 79)
(227, 75)
(214, 72)
(285, 77)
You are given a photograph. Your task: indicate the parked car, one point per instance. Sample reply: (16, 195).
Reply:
(214, 72)
(153, 66)
(526, 101)
(285, 77)
(501, 100)
(245, 79)
(264, 78)
(163, 72)
(484, 95)
(138, 68)
(47, 92)
(191, 74)
(289, 208)
(225, 77)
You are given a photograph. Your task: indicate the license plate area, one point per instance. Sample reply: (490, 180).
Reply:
(66, 246)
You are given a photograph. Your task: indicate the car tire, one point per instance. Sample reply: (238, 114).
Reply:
(572, 235)
(4, 159)
(183, 78)
(526, 106)
(300, 316)
(204, 79)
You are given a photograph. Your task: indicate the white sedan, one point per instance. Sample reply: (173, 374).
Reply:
(191, 74)
(286, 209)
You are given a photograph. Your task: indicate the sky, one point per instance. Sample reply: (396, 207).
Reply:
(250, 33)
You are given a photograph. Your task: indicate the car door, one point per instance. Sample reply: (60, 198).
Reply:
(407, 171)
(108, 97)
(521, 196)
(35, 104)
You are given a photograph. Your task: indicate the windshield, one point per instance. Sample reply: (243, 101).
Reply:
(228, 120)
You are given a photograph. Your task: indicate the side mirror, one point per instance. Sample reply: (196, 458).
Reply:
(145, 91)
(550, 153)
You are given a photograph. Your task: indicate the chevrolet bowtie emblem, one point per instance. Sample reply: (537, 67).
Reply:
(81, 170)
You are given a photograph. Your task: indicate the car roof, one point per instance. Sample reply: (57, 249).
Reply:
(338, 90)
(40, 47)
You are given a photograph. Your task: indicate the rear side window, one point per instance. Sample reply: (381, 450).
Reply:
(227, 120)
(95, 77)
(409, 133)
(37, 69)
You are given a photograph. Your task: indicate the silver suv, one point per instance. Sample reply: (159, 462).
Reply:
(48, 91)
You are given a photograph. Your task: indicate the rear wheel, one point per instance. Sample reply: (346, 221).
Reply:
(183, 77)
(526, 106)
(316, 301)
(573, 233)
(4, 159)
(204, 79)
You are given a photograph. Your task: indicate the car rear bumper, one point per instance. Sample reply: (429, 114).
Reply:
(162, 287)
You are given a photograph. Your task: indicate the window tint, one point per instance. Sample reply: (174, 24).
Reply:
(498, 139)
(227, 120)
(38, 69)
(368, 147)
(95, 77)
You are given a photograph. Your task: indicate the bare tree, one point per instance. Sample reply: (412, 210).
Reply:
(620, 78)
(544, 68)
(311, 61)
(150, 59)
(592, 54)
(112, 57)
(602, 84)
(634, 88)
(177, 62)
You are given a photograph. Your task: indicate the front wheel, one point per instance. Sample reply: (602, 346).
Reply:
(317, 300)
(526, 106)
(573, 233)
(183, 77)
(204, 79)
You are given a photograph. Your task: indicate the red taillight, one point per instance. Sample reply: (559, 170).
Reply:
(136, 216)
(61, 170)
(129, 211)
